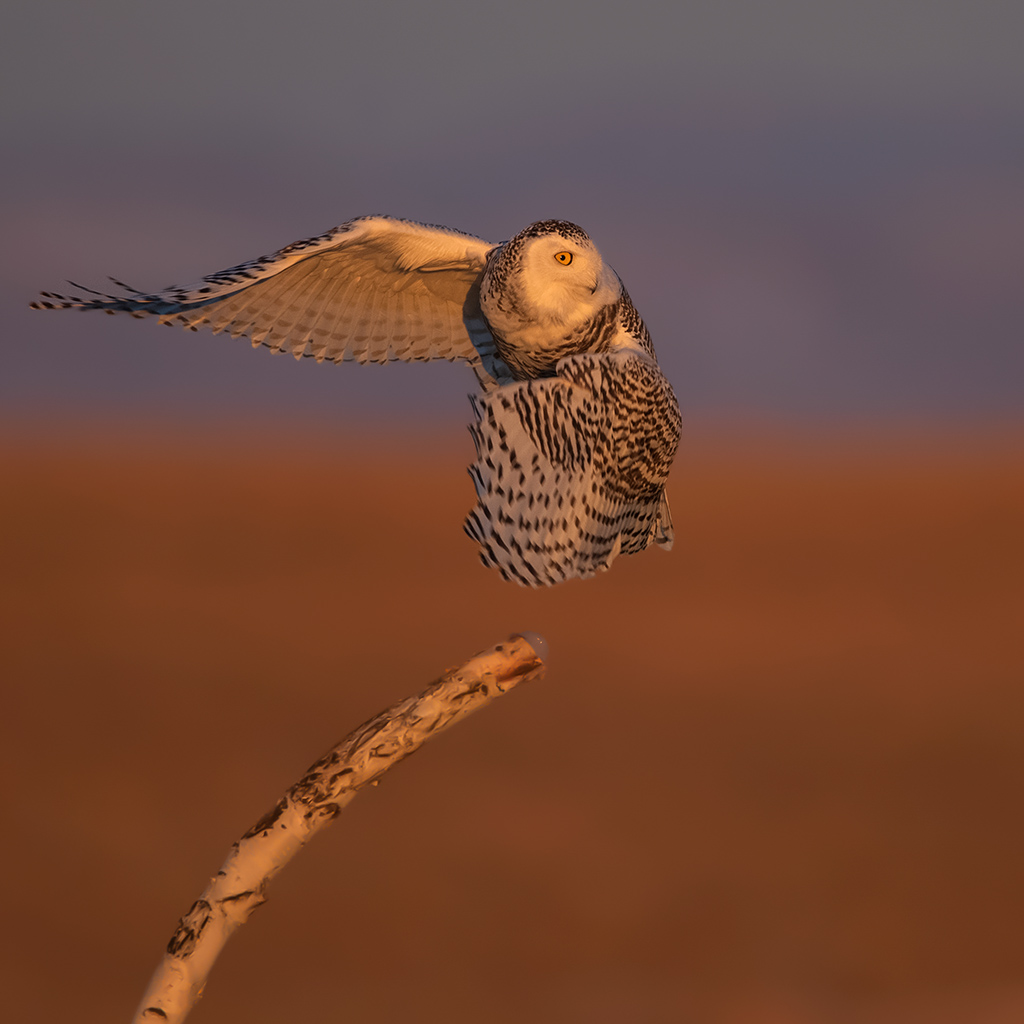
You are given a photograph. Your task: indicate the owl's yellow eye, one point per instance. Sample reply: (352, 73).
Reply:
(565, 258)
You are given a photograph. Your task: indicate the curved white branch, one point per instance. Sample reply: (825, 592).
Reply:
(360, 758)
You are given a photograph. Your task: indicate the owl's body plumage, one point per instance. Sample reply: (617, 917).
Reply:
(576, 426)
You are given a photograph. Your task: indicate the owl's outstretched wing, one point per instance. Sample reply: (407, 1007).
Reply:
(571, 469)
(375, 289)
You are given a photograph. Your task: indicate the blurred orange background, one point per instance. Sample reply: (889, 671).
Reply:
(773, 775)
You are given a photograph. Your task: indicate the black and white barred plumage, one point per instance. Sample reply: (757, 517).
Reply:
(576, 427)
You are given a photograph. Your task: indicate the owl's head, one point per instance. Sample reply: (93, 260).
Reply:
(559, 274)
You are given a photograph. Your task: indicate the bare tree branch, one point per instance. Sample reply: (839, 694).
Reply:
(360, 758)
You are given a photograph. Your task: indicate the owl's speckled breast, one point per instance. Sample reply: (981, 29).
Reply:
(533, 350)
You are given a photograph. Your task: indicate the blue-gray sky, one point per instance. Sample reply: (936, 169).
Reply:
(818, 207)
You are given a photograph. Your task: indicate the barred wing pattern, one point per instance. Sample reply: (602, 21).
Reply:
(571, 469)
(375, 289)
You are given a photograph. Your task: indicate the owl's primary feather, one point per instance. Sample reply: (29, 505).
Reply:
(576, 426)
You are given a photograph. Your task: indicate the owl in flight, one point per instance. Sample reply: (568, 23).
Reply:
(575, 425)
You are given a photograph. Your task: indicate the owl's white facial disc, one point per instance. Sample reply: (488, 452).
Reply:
(564, 279)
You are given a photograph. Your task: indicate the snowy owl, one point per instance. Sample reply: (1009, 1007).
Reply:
(575, 424)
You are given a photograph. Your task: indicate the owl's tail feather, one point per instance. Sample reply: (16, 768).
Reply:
(664, 531)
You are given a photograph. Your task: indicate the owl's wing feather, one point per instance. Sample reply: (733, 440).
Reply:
(571, 469)
(375, 289)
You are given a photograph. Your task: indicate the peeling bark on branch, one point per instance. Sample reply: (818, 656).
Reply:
(360, 758)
